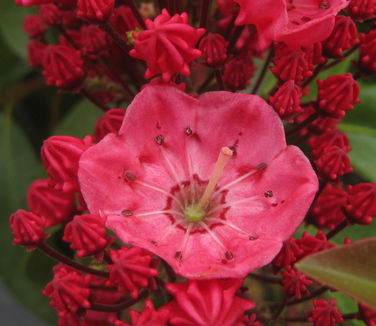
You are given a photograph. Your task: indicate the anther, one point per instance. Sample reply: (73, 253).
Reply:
(129, 176)
(127, 212)
(178, 255)
(188, 131)
(268, 194)
(262, 166)
(229, 255)
(324, 4)
(159, 140)
(252, 238)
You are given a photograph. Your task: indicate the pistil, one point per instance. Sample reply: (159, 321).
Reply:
(223, 158)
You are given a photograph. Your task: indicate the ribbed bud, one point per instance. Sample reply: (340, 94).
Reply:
(214, 49)
(286, 101)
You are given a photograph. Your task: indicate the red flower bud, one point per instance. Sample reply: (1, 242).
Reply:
(86, 234)
(28, 228)
(337, 94)
(35, 50)
(123, 19)
(286, 101)
(295, 283)
(343, 37)
(334, 137)
(325, 313)
(168, 45)
(214, 49)
(334, 162)
(132, 269)
(60, 156)
(238, 72)
(63, 66)
(96, 10)
(68, 290)
(368, 51)
(362, 202)
(54, 205)
(309, 244)
(361, 10)
(288, 255)
(34, 26)
(51, 15)
(328, 209)
(92, 40)
(109, 123)
(291, 65)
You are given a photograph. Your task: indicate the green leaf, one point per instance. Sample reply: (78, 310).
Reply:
(18, 168)
(80, 121)
(350, 269)
(11, 26)
(360, 126)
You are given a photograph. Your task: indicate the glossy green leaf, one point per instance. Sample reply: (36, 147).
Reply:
(360, 126)
(350, 269)
(18, 168)
(80, 121)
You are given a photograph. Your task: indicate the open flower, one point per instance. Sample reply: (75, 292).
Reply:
(294, 22)
(207, 184)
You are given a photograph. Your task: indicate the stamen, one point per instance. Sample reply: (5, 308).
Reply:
(159, 212)
(190, 172)
(142, 183)
(218, 220)
(179, 254)
(223, 158)
(169, 231)
(231, 204)
(214, 237)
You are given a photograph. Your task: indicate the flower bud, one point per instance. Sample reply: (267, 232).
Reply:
(96, 10)
(214, 49)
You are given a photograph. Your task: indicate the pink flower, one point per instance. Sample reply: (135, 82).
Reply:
(208, 184)
(167, 45)
(201, 303)
(294, 22)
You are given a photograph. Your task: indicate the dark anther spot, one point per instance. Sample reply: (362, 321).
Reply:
(127, 212)
(268, 194)
(324, 4)
(153, 242)
(252, 238)
(178, 255)
(128, 176)
(233, 149)
(295, 23)
(262, 166)
(229, 255)
(159, 140)
(188, 131)
(158, 126)
(305, 19)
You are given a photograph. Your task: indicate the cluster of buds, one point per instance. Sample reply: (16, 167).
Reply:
(202, 186)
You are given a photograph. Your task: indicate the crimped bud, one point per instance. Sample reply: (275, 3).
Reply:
(132, 269)
(362, 202)
(286, 101)
(68, 290)
(168, 45)
(28, 228)
(214, 49)
(86, 234)
(110, 122)
(334, 137)
(54, 205)
(35, 51)
(93, 40)
(291, 65)
(63, 67)
(334, 162)
(238, 72)
(96, 10)
(295, 283)
(34, 26)
(123, 19)
(288, 255)
(60, 156)
(328, 208)
(51, 15)
(325, 313)
(368, 51)
(361, 10)
(338, 94)
(343, 37)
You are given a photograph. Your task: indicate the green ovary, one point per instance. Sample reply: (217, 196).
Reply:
(194, 214)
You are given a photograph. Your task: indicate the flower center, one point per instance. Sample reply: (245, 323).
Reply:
(195, 212)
